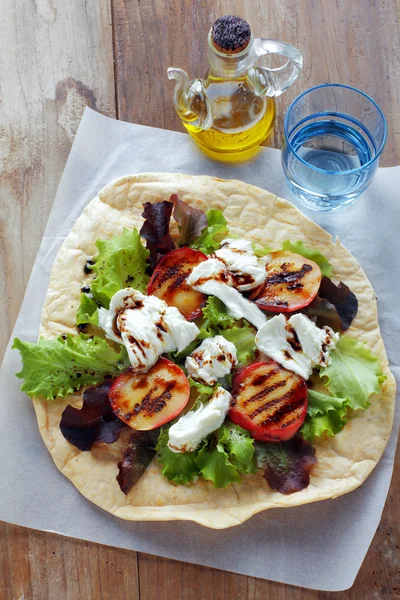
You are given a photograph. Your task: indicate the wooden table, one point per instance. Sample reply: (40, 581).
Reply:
(58, 56)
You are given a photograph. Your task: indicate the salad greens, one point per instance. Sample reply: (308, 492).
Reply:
(87, 311)
(310, 253)
(216, 314)
(120, 263)
(191, 221)
(204, 391)
(243, 338)
(220, 458)
(155, 230)
(61, 366)
(213, 234)
(137, 457)
(286, 465)
(219, 322)
(94, 422)
(325, 415)
(352, 377)
(354, 373)
(177, 467)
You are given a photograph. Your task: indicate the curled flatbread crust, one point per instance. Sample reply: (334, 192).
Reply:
(344, 461)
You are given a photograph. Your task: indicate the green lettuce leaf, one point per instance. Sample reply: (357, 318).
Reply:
(204, 391)
(260, 250)
(121, 263)
(214, 465)
(352, 377)
(311, 254)
(240, 446)
(216, 314)
(87, 311)
(243, 338)
(220, 458)
(60, 366)
(179, 357)
(226, 454)
(211, 237)
(354, 373)
(326, 415)
(179, 467)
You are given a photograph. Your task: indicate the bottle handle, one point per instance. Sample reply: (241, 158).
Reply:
(276, 81)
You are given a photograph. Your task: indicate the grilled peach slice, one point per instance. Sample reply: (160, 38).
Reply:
(269, 401)
(292, 283)
(168, 282)
(148, 400)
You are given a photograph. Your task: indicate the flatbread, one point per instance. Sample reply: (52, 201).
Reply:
(344, 461)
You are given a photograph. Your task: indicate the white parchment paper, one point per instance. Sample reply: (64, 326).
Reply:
(319, 545)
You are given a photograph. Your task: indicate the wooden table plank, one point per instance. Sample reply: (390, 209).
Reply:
(56, 57)
(356, 43)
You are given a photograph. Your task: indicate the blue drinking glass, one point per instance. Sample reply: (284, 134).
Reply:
(334, 136)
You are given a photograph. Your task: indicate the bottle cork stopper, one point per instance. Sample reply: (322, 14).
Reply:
(230, 34)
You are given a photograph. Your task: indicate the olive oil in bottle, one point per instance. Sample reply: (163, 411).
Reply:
(231, 111)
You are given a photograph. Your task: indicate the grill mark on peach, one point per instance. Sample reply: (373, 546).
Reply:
(291, 421)
(264, 392)
(176, 281)
(284, 409)
(168, 273)
(283, 399)
(295, 286)
(149, 405)
(287, 276)
(265, 407)
(260, 379)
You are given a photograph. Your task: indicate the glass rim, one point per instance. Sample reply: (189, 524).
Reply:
(353, 89)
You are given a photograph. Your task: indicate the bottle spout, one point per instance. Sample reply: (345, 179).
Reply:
(190, 100)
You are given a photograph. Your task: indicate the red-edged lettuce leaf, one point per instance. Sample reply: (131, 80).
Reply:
(94, 422)
(138, 455)
(155, 230)
(335, 306)
(323, 313)
(343, 299)
(191, 221)
(286, 465)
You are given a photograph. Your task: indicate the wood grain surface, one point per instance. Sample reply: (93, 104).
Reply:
(55, 58)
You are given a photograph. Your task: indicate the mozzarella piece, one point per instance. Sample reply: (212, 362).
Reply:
(211, 268)
(213, 359)
(187, 433)
(247, 269)
(210, 277)
(297, 343)
(147, 327)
